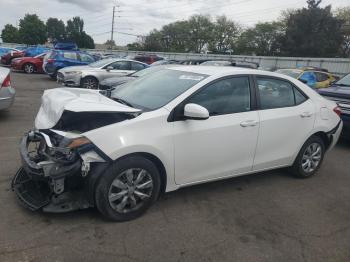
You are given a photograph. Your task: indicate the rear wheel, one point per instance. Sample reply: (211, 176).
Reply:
(89, 82)
(309, 158)
(29, 68)
(127, 189)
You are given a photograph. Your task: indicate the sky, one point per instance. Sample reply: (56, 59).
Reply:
(138, 17)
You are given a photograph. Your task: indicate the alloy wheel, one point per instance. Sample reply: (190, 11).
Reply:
(130, 190)
(311, 157)
(90, 83)
(28, 68)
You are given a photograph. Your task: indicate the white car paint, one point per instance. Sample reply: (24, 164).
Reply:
(73, 75)
(196, 151)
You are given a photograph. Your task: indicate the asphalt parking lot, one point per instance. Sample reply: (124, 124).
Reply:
(263, 217)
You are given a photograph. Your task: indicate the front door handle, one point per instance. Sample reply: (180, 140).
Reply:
(249, 123)
(305, 114)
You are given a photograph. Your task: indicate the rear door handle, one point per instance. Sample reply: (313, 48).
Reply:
(249, 123)
(306, 114)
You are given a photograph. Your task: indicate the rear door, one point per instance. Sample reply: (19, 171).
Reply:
(70, 58)
(287, 118)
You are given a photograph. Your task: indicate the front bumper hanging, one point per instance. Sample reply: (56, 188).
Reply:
(51, 178)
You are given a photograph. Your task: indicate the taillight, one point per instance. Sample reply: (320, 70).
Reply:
(337, 110)
(50, 60)
(7, 81)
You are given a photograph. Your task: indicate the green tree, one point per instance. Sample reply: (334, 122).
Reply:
(110, 44)
(263, 39)
(200, 32)
(224, 35)
(343, 14)
(154, 41)
(56, 29)
(312, 31)
(75, 32)
(10, 34)
(32, 30)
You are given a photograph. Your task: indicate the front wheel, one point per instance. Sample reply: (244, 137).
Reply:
(127, 189)
(309, 158)
(29, 68)
(89, 83)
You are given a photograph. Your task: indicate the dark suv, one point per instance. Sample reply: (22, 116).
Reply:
(340, 93)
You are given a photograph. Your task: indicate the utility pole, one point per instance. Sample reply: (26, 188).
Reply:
(112, 32)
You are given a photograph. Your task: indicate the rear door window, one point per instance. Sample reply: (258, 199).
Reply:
(320, 77)
(137, 66)
(276, 93)
(70, 55)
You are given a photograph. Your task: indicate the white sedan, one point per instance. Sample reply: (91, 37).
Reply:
(89, 76)
(174, 128)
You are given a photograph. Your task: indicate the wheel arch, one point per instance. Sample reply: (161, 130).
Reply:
(26, 63)
(99, 168)
(89, 76)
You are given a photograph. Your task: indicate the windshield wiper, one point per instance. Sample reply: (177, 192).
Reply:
(122, 101)
(342, 84)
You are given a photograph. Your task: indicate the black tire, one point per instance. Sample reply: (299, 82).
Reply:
(54, 75)
(89, 82)
(114, 172)
(297, 169)
(29, 68)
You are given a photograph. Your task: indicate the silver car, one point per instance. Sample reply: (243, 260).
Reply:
(89, 76)
(7, 92)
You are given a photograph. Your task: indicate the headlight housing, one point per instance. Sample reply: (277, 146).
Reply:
(77, 142)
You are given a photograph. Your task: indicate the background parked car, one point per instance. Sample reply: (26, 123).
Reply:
(117, 81)
(35, 50)
(340, 93)
(148, 59)
(7, 58)
(29, 64)
(89, 76)
(7, 92)
(313, 77)
(57, 59)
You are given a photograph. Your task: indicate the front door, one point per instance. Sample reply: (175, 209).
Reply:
(222, 145)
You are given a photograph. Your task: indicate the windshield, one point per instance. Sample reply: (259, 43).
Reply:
(147, 71)
(101, 63)
(295, 73)
(41, 55)
(157, 89)
(344, 81)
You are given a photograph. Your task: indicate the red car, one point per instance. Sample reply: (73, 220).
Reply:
(29, 64)
(7, 58)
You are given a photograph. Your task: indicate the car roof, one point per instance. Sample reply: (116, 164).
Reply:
(214, 70)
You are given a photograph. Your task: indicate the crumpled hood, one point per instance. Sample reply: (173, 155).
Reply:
(55, 101)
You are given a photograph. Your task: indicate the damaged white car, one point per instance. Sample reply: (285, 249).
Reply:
(119, 150)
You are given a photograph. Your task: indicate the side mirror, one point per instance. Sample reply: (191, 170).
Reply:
(195, 112)
(109, 68)
(303, 81)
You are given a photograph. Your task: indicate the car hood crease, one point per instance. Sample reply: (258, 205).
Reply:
(56, 101)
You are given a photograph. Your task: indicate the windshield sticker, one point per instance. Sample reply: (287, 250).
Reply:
(191, 77)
